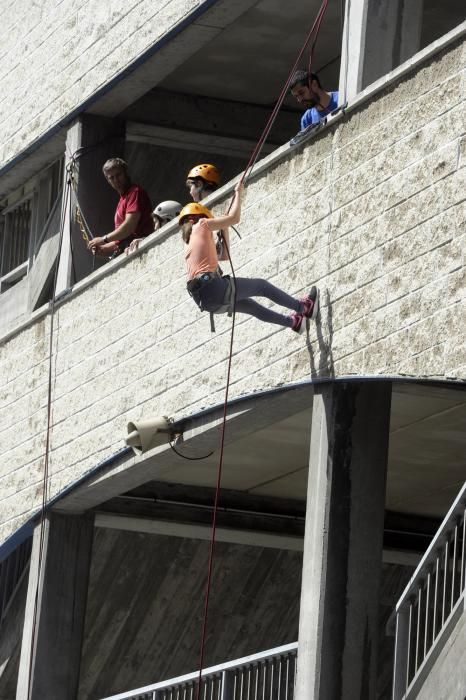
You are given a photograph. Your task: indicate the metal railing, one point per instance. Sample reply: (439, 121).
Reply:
(432, 602)
(269, 675)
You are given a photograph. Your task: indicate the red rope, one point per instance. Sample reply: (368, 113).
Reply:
(217, 495)
(317, 23)
(246, 173)
(314, 30)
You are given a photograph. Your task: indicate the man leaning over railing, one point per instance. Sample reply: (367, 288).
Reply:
(133, 215)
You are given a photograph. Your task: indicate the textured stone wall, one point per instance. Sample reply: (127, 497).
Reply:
(373, 210)
(56, 54)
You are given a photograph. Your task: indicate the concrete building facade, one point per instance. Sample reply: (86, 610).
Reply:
(339, 444)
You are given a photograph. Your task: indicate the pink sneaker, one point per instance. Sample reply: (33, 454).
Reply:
(311, 304)
(299, 322)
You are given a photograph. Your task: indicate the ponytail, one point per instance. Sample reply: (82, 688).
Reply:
(186, 229)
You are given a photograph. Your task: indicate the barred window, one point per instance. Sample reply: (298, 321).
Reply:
(14, 244)
(27, 222)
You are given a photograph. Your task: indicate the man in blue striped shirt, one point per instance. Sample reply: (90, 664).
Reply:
(307, 89)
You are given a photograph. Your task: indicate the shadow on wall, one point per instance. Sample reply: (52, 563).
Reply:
(145, 607)
(321, 360)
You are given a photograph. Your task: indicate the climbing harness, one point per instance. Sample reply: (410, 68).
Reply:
(195, 285)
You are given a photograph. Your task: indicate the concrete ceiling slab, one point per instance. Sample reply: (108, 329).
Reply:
(177, 53)
(293, 482)
(253, 462)
(267, 451)
(426, 463)
(427, 456)
(251, 58)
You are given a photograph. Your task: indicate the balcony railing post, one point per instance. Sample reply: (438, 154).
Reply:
(400, 670)
(228, 678)
(267, 675)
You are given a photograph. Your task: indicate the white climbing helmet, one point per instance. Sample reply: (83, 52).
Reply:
(167, 210)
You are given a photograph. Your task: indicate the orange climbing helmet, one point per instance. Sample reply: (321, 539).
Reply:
(208, 172)
(194, 209)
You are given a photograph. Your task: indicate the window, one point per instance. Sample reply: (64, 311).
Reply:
(27, 221)
(15, 241)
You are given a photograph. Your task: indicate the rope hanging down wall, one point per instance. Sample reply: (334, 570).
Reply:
(70, 184)
(45, 478)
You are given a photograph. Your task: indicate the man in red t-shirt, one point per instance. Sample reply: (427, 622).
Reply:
(133, 215)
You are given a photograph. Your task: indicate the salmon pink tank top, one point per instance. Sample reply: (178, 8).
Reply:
(200, 252)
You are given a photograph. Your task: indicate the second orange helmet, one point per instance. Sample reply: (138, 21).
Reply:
(208, 172)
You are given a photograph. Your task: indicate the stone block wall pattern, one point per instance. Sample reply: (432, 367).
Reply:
(373, 211)
(57, 54)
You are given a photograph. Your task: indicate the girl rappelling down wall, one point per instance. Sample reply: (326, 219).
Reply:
(217, 293)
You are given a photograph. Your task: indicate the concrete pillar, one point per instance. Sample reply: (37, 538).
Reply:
(100, 138)
(57, 590)
(64, 274)
(378, 35)
(342, 560)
